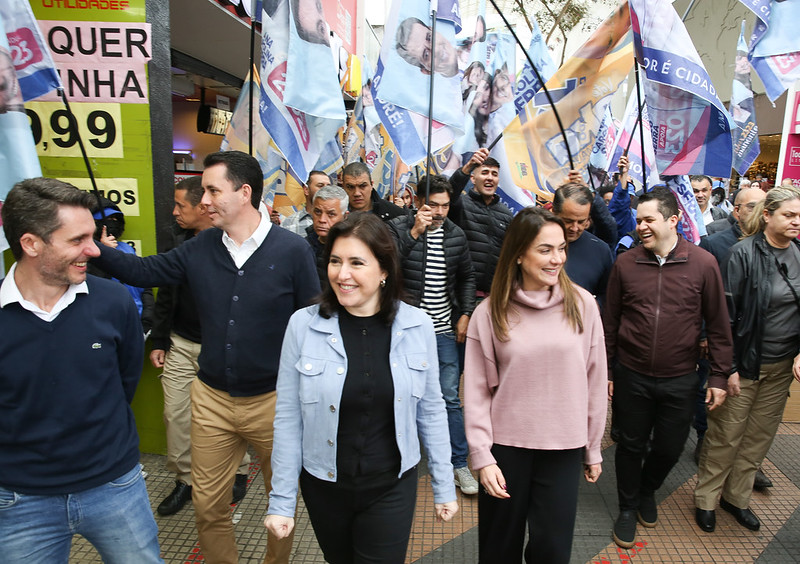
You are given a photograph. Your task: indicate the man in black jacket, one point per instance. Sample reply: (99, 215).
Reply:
(357, 182)
(439, 279)
(481, 214)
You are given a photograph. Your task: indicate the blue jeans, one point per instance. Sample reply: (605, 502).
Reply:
(115, 517)
(449, 379)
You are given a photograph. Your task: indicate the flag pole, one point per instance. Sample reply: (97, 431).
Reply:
(73, 124)
(639, 119)
(253, 18)
(541, 80)
(434, 5)
(633, 130)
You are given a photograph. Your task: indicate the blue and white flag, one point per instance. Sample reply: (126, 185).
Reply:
(31, 57)
(775, 44)
(629, 139)
(691, 225)
(527, 83)
(18, 159)
(692, 129)
(409, 65)
(302, 132)
(408, 130)
(604, 143)
(745, 137)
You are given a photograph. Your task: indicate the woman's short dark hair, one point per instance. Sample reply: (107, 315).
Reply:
(374, 233)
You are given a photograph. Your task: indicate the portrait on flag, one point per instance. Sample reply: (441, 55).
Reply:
(10, 91)
(308, 17)
(409, 63)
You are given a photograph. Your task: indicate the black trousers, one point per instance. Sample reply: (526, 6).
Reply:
(641, 405)
(360, 526)
(543, 485)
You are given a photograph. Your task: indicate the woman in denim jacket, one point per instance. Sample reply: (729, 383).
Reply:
(358, 385)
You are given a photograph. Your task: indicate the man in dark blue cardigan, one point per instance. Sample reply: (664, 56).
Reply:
(71, 348)
(247, 279)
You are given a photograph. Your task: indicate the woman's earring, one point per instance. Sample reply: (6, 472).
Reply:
(383, 283)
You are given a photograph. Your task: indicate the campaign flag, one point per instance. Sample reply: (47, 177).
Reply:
(409, 66)
(582, 89)
(18, 159)
(691, 225)
(408, 130)
(489, 94)
(31, 57)
(630, 138)
(775, 44)
(745, 137)
(691, 129)
(527, 83)
(604, 143)
(283, 190)
(301, 132)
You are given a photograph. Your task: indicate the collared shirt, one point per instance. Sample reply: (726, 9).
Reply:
(661, 260)
(9, 294)
(240, 254)
(708, 217)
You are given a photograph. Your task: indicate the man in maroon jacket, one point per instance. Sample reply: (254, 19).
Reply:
(658, 296)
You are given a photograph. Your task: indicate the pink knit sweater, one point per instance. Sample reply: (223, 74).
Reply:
(545, 388)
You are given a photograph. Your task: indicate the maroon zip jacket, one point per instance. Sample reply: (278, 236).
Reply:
(654, 314)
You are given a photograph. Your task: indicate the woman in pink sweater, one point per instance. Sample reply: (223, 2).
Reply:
(535, 390)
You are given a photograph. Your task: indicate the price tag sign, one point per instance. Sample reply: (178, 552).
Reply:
(99, 125)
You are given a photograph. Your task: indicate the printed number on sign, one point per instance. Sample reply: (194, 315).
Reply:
(56, 135)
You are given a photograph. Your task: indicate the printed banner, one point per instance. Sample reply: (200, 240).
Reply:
(309, 62)
(629, 138)
(775, 44)
(691, 225)
(488, 94)
(582, 89)
(746, 146)
(409, 66)
(408, 130)
(36, 73)
(300, 137)
(18, 159)
(527, 83)
(282, 190)
(600, 161)
(692, 132)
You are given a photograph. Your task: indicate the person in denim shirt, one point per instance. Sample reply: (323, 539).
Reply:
(358, 386)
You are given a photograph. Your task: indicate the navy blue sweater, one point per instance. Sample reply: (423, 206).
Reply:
(243, 311)
(65, 390)
(589, 262)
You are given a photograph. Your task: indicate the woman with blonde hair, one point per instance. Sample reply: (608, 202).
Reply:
(762, 284)
(535, 381)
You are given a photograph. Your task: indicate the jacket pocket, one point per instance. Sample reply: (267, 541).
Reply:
(418, 366)
(310, 370)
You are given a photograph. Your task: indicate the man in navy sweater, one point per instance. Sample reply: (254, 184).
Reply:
(589, 259)
(72, 351)
(247, 279)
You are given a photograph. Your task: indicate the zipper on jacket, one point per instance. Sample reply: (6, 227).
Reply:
(658, 315)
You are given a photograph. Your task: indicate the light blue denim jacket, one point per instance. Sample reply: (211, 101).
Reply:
(311, 376)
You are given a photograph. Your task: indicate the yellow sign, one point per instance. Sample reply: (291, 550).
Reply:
(124, 192)
(99, 126)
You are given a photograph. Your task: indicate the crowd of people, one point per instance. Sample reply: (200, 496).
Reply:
(336, 343)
